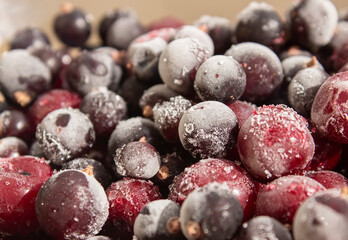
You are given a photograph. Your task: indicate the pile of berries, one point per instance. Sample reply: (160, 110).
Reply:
(206, 130)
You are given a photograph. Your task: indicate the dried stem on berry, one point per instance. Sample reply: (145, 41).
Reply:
(173, 225)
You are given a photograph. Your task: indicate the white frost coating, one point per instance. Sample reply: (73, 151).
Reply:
(147, 224)
(266, 151)
(248, 13)
(328, 98)
(325, 14)
(195, 32)
(181, 54)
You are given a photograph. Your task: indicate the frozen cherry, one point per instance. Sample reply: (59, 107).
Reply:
(71, 205)
(329, 179)
(127, 198)
(281, 197)
(275, 141)
(216, 170)
(329, 109)
(242, 110)
(20, 181)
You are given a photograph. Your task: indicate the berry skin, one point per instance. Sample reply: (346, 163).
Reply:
(138, 160)
(29, 37)
(281, 198)
(329, 179)
(211, 212)
(216, 170)
(220, 78)
(159, 219)
(263, 227)
(77, 193)
(329, 109)
(243, 110)
(65, 134)
(127, 198)
(179, 62)
(50, 101)
(12, 147)
(208, 129)
(72, 26)
(105, 109)
(23, 84)
(322, 216)
(263, 17)
(20, 181)
(262, 67)
(275, 141)
(15, 123)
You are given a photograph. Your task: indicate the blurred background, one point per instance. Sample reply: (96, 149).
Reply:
(17, 14)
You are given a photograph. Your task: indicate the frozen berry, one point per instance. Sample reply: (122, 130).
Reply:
(242, 110)
(275, 141)
(137, 159)
(322, 216)
(216, 170)
(127, 198)
(263, 69)
(329, 179)
(20, 181)
(65, 134)
(159, 219)
(329, 109)
(16, 123)
(211, 212)
(12, 147)
(76, 193)
(23, 84)
(29, 37)
(281, 197)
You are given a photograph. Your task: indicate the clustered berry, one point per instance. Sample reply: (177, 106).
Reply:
(177, 131)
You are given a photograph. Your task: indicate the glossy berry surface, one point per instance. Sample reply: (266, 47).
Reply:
(127, 198)
(12, 147)
(20, 181)
(220, 78)
(167, 116)
(23, 84)
(263, 227)
(208, 129)
(262, 68)
(216, 170)
(321, 215)
(137, 159)
(329, 108)
(65, 134)
(211, 212)
(50, 101)
(79, 194)
(29, 37)
(281, 198)
(262, 16)
(72, 27)
(159, 219)
(275, 141)
(105, 109)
